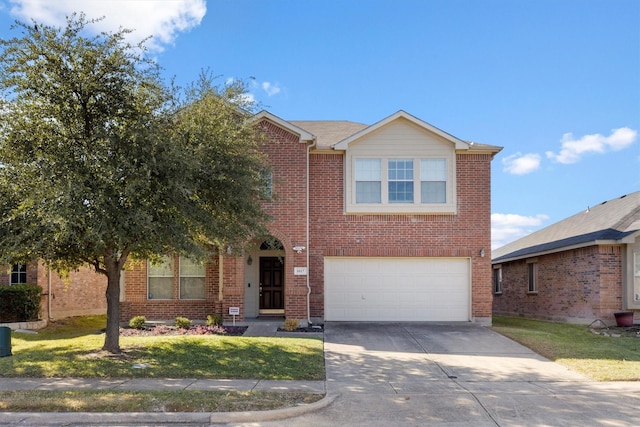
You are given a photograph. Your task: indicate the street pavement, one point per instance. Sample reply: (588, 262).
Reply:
(401, 374)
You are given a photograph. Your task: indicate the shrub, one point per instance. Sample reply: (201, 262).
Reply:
(137, 322)
(291, 325)
(215, 320)
(20, 303)
(183, 323)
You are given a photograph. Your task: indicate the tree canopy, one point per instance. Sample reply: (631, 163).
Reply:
(101, 161)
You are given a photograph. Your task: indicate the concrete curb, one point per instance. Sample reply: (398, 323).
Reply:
(133, 418)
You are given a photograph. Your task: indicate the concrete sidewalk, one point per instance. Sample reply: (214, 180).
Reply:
(150, 384)
(255, 329)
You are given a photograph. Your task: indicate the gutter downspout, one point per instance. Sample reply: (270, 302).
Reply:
(309, 147)
(220, 277)
(50, 296)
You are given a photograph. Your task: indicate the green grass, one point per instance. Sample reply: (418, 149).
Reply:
(149, 401)
(71, 349)
(602, 358)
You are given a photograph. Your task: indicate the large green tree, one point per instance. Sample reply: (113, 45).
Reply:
(101, 161)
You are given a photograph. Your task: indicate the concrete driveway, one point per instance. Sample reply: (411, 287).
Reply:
(456, 374)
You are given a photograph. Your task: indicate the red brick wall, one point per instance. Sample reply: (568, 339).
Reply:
(288, 159)
(461, 235)
(334, 233)
(136, 303)
(80, 293)
(580, 286)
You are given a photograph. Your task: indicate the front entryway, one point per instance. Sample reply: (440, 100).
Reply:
(271, 285)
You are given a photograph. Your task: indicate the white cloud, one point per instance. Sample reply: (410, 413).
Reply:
(521, 164)
(163, 20)
(271, 88)
(573, 149)
(506, 228)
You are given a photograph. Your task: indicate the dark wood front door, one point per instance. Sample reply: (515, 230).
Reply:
(271, 284)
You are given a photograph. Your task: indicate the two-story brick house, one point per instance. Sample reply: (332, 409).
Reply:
(381, 222)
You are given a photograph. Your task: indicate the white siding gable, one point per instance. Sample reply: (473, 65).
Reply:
(400, 139)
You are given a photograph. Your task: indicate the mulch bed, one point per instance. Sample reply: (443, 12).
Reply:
(194, 330)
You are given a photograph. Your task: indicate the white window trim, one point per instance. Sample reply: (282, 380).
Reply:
(415, 207)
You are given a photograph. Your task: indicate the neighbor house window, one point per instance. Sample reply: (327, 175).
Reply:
(433, 181)
(533, 276)
(18, 274)
(497, 280)
(160, 277)
(368, 176)
(192, 279)
(400, 181)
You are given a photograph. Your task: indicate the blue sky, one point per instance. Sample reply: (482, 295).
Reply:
(554, 82)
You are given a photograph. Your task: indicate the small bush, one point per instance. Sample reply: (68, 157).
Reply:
(137, 322)
(291, 325)
(215, 320)
(20, 303)
(183, 323)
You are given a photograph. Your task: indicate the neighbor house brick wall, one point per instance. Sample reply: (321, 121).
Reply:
(578, 285)
(461, 235)
(78, 293)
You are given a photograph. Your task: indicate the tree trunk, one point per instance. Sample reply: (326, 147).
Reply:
(112, 338)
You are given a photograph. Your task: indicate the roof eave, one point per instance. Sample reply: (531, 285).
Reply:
(305, 137)
(506, 258)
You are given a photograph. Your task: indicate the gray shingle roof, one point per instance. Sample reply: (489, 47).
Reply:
(610, 220)
(329, 132)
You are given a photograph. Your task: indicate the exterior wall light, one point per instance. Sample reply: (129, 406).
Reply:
(299, 249)
(482, 253)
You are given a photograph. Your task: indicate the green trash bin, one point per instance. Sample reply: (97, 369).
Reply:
(5, 341)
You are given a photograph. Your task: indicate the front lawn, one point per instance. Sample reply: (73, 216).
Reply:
(602, 358)
(70, 348)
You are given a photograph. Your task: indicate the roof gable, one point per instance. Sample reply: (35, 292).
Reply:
(458, 143)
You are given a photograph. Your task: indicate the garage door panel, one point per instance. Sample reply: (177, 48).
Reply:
(397, 289)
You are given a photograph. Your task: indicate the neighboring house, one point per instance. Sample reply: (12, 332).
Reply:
(82, 293)
(388, 222)
(583, 268)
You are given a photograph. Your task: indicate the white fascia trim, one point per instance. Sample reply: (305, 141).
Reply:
(303, 134)
(458, 143)
(631, 238)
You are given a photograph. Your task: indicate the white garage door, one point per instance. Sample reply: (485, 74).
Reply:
(396, 289)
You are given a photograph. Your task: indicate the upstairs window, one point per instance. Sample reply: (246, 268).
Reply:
(18, 274)
(433, 180)
(400, 181)
(368, 176)
(404, 185)
(266, 183)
